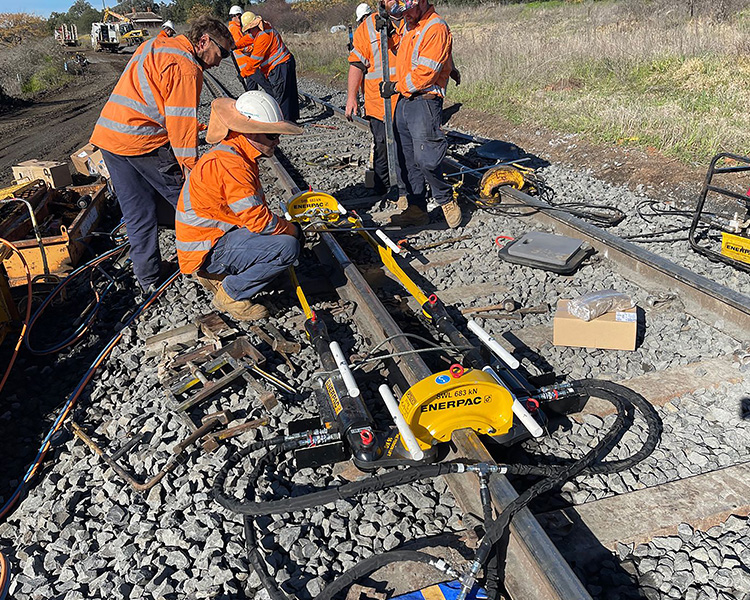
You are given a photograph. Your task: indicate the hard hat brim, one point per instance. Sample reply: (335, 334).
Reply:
(254, 23)
(225, 118)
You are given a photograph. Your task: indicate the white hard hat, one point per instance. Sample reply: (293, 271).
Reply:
(259, 106)
(168, 25)
(235, 10)
(362, 11)
(252, 112)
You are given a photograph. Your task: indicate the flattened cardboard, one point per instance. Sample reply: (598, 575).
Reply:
(611, 331)
(56, 174)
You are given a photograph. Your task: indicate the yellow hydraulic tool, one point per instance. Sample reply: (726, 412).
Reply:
(496, 177)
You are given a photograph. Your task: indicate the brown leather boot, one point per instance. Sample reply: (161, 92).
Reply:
(452, 212)
(242, 310)
(210, 281)
(411, 216)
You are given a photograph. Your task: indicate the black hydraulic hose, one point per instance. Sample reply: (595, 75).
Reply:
(255, 558)
(620, 397)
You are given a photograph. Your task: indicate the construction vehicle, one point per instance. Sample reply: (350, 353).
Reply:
(105, 36)
(115, 30)
(67, 35)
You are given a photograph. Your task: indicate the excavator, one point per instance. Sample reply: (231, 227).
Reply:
(113, 30)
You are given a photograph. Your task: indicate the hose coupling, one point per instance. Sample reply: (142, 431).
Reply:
(482, 469)
(313, 438)
(444, 567)
(468, 580)
(554, 392)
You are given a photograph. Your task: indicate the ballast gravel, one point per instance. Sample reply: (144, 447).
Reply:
(81, 532)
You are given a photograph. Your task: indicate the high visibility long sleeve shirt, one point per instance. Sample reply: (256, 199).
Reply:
(155, 102)
(268, 50)
(241, 42)
(222, 192)
(424, 59)
(367, 52)
(162, 34)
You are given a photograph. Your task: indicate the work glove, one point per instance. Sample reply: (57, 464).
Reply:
(300, 235)
(384, 21)
(387, 89)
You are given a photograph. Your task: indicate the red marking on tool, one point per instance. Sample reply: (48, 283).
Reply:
(366, 436)
(532, 404)
(456, 370)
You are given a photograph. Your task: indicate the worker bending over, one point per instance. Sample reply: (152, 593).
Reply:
(241, 43)
(167, 30)
(274, 63)
(423, 65)
(148, 131)
(226, 233)
(365, 64)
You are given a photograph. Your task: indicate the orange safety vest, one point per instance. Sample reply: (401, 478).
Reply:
(424, 60)
(268, 50)
(221, 193)
(367, 51)
(241, 41)
(163, 34)
(155, 102)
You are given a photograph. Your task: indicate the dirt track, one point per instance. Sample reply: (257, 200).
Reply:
(56, 125)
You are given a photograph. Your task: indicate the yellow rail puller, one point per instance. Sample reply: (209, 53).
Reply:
(432, 409)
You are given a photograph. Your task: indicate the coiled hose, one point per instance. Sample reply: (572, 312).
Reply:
(623, 399)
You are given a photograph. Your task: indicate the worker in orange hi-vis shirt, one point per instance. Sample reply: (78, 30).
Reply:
(148, 131)
(424, 64)
(167, 30)
(242, 42)
(275, 64)
(365, 65)
(226, 233)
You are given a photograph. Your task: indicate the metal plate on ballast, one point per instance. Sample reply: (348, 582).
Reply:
(557, 253)
(499, 150)
(546, 247)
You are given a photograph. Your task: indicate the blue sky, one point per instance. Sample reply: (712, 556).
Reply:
(41, 7)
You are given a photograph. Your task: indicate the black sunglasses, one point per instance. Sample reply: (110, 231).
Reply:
(272, 136)
(222, 49)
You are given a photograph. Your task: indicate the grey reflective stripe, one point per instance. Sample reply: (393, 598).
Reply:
(410, 87)
(178, 52)
(193, 220)
(204, 245)
(361, 57)
(181, 111)
(244, 203)
(256, 57)
(147, 111)
(271, 224)
(435, 88)
(415, 54)
(185, 152)
(148, 94)
(377, 60)
(130, 129)
(279, 53)
(224, 148)
(186, 193)
(428, 62)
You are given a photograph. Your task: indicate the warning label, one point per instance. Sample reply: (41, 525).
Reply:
(735, 247)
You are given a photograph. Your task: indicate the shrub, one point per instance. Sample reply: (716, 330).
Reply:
(33, 66)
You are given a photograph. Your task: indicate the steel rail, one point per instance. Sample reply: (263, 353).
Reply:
(534, 566)
(727, 309)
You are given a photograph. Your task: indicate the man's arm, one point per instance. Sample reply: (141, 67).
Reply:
(181, 115)
(353, 84)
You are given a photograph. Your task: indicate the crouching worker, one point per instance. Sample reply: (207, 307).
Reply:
(226, 234)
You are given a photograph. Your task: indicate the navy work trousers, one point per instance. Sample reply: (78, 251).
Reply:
(421, 148)
(283, 80)
(140, 182)
(250, 260)
(380, 161)
(257, 81)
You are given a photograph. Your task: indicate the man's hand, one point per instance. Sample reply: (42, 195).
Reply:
(387, 89)
(456, 75)
(351, 108)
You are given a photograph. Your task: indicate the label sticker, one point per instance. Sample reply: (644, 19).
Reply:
(736, 247)
(626, 317)
(442, 379)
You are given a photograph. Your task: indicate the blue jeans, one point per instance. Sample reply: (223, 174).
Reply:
(140, 183)
(250, 260)
(421, 148)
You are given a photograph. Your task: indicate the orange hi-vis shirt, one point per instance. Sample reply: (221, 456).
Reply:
(241, 42)
(367, 51)
(155, 102)
(163, 34)
(424, 60)
(268, 50)
(222, 192)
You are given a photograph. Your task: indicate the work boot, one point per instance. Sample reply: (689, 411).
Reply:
(411, 216)
(452, 212)
(210, 281)
(242, 310)
(402, 203)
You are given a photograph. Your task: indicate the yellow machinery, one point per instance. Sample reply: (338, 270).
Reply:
(430, 410)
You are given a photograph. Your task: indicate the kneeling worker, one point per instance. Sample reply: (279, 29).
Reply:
(226, 234)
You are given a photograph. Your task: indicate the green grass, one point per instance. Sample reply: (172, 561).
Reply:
(50, 76)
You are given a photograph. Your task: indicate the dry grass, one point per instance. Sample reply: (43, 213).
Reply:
(635, 71)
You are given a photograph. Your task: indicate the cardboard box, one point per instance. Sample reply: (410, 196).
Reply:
(611, 331)
(80, 158)
(89, 161)
(56, 174)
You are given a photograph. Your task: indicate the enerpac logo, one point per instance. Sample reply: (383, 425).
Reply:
(449, 404)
